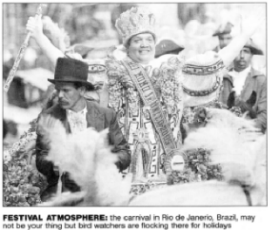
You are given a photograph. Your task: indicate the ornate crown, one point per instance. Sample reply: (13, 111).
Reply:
(135, 21)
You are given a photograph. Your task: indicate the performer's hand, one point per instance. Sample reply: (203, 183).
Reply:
(35, 26)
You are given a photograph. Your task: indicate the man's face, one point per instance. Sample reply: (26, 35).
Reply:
(68, 95)
(242, 61)
(142, 48)
(224, 40)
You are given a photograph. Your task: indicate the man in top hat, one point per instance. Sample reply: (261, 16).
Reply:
(224, 35)
(76, 114)
(243, 80)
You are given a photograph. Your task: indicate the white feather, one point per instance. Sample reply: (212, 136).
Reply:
(91, 164)
(112, 188)
(230, 140)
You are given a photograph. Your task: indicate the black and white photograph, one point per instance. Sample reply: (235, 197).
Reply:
(132, 105)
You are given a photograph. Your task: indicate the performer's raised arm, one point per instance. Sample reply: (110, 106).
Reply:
(248, 27)
(35, 26)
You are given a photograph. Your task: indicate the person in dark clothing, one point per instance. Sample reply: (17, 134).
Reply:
(244, 81)
(76, 114)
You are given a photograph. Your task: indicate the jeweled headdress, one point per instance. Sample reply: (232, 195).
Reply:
(135, 21)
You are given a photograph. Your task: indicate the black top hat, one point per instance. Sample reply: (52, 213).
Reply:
(224, 29)
(167, 46)
(255, 50)
(71, 70)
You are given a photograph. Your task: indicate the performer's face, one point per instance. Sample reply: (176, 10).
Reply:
(69, 95)
(141, 48)
(224, 40)
(242, 61)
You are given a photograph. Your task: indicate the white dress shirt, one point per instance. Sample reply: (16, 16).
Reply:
(239, 79)
(77, 120)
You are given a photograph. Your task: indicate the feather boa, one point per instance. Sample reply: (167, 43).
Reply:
(90, 162)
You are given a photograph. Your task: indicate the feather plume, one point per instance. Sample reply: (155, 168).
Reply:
(91, 164)
(112, 188)
(231, 142)
(48, 127)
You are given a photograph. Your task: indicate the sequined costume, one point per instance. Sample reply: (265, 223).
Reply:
(134, 118)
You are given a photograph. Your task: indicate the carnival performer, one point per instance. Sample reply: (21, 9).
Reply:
(149, 94)
(76, 114)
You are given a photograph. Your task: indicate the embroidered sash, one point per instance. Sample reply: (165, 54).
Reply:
(148, 95)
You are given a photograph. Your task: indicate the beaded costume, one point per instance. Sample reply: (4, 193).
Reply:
(134, 118)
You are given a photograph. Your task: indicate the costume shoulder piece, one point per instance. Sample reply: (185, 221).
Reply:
(167, 81)
(116, 73)
(115, 69)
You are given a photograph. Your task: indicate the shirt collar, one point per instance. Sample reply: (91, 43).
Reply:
(81, 112)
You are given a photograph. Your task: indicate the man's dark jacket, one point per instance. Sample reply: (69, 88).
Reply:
(97, 117)
(257, 82)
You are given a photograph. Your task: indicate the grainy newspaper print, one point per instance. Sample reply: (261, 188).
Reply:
(82, 149)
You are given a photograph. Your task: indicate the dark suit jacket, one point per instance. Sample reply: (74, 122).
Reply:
(257, 82)
(97, 117)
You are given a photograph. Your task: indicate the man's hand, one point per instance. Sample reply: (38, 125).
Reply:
(123, 160)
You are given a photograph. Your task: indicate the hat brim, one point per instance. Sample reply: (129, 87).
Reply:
(87, 84)
(172, 51)
(255, 51)
(217, 34)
